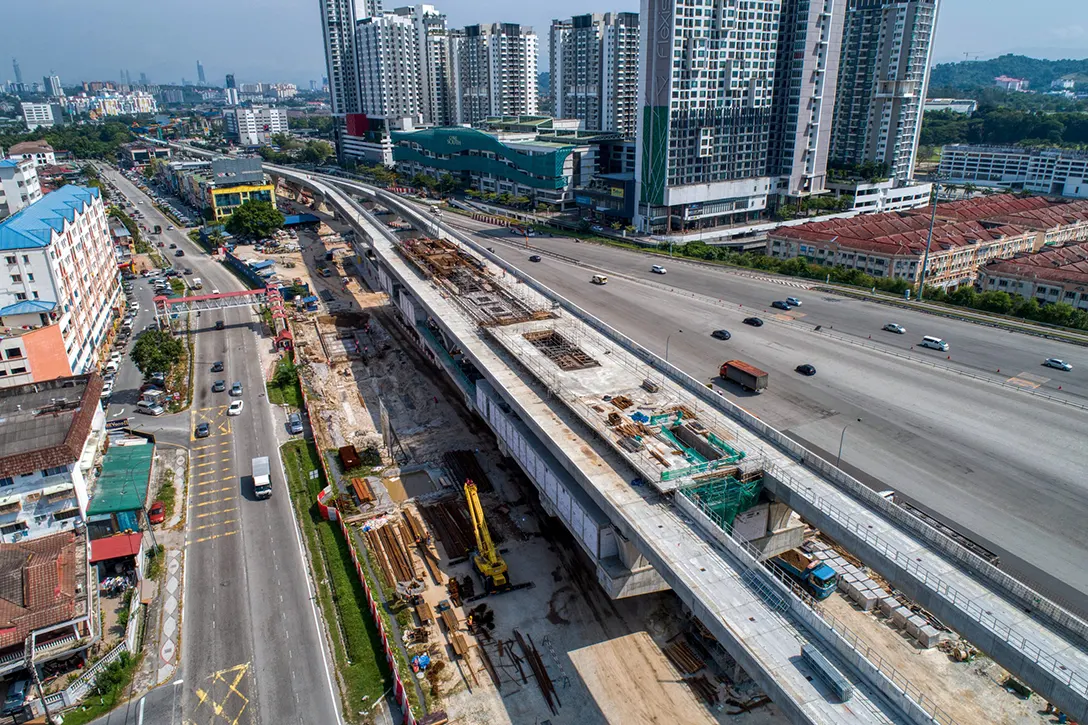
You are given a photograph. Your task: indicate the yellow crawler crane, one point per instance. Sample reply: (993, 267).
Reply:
(487, 560)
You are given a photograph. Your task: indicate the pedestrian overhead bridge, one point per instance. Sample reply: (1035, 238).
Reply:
(543, 417)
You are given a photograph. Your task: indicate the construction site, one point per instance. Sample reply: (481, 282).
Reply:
(508, 620)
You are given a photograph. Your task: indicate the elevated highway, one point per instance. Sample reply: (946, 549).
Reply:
(718, 577)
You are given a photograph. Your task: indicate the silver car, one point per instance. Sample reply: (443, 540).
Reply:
(1053, 362)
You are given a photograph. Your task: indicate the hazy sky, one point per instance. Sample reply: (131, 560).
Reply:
(281, 39)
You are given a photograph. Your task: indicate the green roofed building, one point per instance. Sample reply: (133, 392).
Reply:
(538, 157)
(120, 493)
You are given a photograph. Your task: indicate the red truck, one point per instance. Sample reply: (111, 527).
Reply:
(747, 376)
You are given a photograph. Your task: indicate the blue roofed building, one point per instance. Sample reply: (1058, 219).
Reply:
(60, 288)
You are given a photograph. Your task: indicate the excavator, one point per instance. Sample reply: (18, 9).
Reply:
(486, 560)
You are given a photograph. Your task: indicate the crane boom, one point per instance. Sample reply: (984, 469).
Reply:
(487, 560)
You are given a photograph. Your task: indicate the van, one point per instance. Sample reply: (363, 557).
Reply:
(600, 279)
(16, 697)
(935, 342)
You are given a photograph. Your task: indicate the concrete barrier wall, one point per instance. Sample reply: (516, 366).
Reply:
(910, 701)
(1012, 588)
(1015, 590)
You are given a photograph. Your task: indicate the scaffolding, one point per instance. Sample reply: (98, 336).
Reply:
(722, 499)
(469, 283)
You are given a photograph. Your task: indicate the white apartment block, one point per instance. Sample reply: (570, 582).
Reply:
(497, 71)
(706, 84)
(388, 54)
(109, 103)
(883, 196)
(594, 70)
(19, 185)
(254, 125)
(52, 432)
(435, 72)
(883, 74)
(805, 84)
(338, 30)
(38, 115)
(41, 153)
(1057, 172)
(59, 285)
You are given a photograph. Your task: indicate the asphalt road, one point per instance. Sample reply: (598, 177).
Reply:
(973, 347)
(1005, 467)
(252, 651)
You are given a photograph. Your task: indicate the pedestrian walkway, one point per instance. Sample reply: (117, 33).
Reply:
(162, 639)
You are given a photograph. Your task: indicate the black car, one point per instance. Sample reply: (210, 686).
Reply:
(179, 253)
(806, 369)
(217, 366)
(781, 304)
(203, 430)
(534, 258)
(753, 321)
(219, 386)
(173, 246)
(721, 334)
(219, 325)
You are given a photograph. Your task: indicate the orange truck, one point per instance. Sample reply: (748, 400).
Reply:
(747, 376)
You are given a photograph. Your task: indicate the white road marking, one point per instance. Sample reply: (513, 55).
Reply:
(140, 713)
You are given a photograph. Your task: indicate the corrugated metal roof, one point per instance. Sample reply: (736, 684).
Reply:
(33, 227)
(27, 307)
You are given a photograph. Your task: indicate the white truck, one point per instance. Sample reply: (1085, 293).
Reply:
(262, 477)
(196, 283)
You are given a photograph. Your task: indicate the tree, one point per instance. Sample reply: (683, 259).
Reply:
(286, 374)
(447, 184)
(316, 152)
(255, 219)
(156, 351)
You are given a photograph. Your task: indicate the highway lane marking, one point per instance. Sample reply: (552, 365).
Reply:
(216, 523)
(216, 513)
(215, 481)
(213, 537)
(209, 503)
(216, 490)
(202, 465)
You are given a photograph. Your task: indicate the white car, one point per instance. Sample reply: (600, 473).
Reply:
(793, 302)
(1053, 362)
(235, 408)
(111, 366)
(657, 269)
(897, 329)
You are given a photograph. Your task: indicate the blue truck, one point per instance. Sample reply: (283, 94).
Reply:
(816, 577)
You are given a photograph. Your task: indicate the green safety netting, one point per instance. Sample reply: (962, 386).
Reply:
(724, 498)
(122, 485)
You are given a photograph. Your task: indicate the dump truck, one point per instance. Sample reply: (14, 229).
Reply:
(817, 578)
(262, 477)
(747, 376)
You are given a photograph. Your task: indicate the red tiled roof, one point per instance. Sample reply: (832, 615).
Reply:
(37, 585)
(1067, 264)
(116, 546)
(891, 238)
(70, 450)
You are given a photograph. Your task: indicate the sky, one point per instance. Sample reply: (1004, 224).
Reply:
(280, 40)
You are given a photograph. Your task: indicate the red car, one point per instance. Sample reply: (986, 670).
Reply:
(157, 513)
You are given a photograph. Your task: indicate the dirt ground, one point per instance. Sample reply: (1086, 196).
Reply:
(633, 683)
(603, 657)
(970, 692)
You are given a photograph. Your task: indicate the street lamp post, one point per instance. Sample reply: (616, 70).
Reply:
(667, 338)
(842, 438)
(929, 239)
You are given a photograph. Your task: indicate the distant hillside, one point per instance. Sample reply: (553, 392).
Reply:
(972, 74)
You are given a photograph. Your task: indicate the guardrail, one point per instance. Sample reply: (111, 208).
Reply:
(1044, 607)
(1035, 602)
(826, 626)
